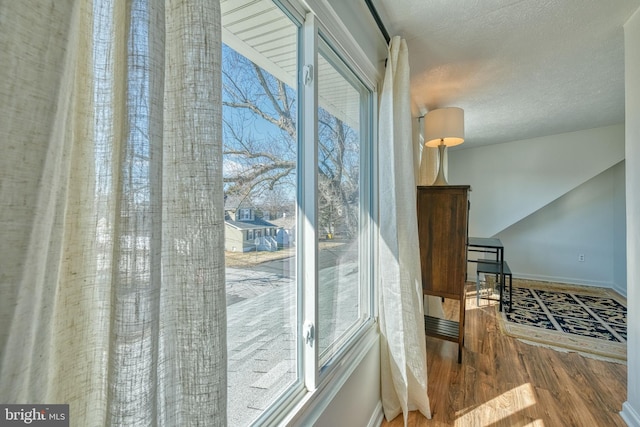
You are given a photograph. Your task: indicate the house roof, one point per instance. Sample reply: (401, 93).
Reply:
(234, 202)
(287, 222)
(257, 223)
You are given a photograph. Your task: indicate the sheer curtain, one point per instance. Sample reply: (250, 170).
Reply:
(427, 170)
(403, 348)
(428, 159)
(111, 262)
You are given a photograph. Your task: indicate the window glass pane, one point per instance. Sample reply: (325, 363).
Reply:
(260, 166)
(340, 100)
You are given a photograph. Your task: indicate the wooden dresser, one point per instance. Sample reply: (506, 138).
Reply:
(443, 218)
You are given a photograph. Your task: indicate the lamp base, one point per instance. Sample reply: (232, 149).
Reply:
(440, 179)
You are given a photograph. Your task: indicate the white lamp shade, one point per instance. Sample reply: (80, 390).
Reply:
(444, 126)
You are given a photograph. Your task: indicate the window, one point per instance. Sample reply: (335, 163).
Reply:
(316, 182)
(244, 215)
(342, 138)
(260, 166)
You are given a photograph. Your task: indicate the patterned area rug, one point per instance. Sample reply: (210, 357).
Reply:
(591, 321)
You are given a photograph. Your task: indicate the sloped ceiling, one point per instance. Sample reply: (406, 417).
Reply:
(519, 68)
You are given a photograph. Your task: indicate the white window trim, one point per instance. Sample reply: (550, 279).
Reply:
(340, 38)
(309, 409)
(245, 214)
(338, 35)
(308, 212)
(301, 405)
(365, 220)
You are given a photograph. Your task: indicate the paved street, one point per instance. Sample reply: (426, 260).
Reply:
(262, 328)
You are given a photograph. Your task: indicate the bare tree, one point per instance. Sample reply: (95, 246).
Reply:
(338, 175)
(261, 145)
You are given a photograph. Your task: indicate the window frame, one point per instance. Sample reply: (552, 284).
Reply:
(325, 365)
(315, 378)
(245, 214)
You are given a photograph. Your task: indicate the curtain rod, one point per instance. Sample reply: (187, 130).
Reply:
(379, 22)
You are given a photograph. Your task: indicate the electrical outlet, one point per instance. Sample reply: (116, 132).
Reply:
(581, 257)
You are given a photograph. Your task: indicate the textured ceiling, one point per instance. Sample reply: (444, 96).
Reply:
(519, 68)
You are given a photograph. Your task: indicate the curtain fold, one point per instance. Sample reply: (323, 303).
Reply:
(427, 170)
(428, 163)
(403, 347)
(112, 267)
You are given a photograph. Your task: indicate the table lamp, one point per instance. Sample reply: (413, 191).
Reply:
(443, 128)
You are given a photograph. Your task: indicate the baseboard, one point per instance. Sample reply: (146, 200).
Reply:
(376, 417)
(621, 291)
(567, 280)
(629, 415)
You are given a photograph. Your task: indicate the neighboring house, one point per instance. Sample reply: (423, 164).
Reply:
(286, 235)
(245, 231)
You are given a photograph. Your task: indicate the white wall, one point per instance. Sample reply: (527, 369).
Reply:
(358, 401)
(631, 408)
(545, 245)
(550, 199)
(543, 169)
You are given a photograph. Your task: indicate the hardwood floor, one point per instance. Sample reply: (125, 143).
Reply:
(504, 382)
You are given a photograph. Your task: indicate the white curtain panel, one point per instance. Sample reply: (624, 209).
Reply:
(111, 261)
(403, 349)
(428, 165)
(427, 160)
